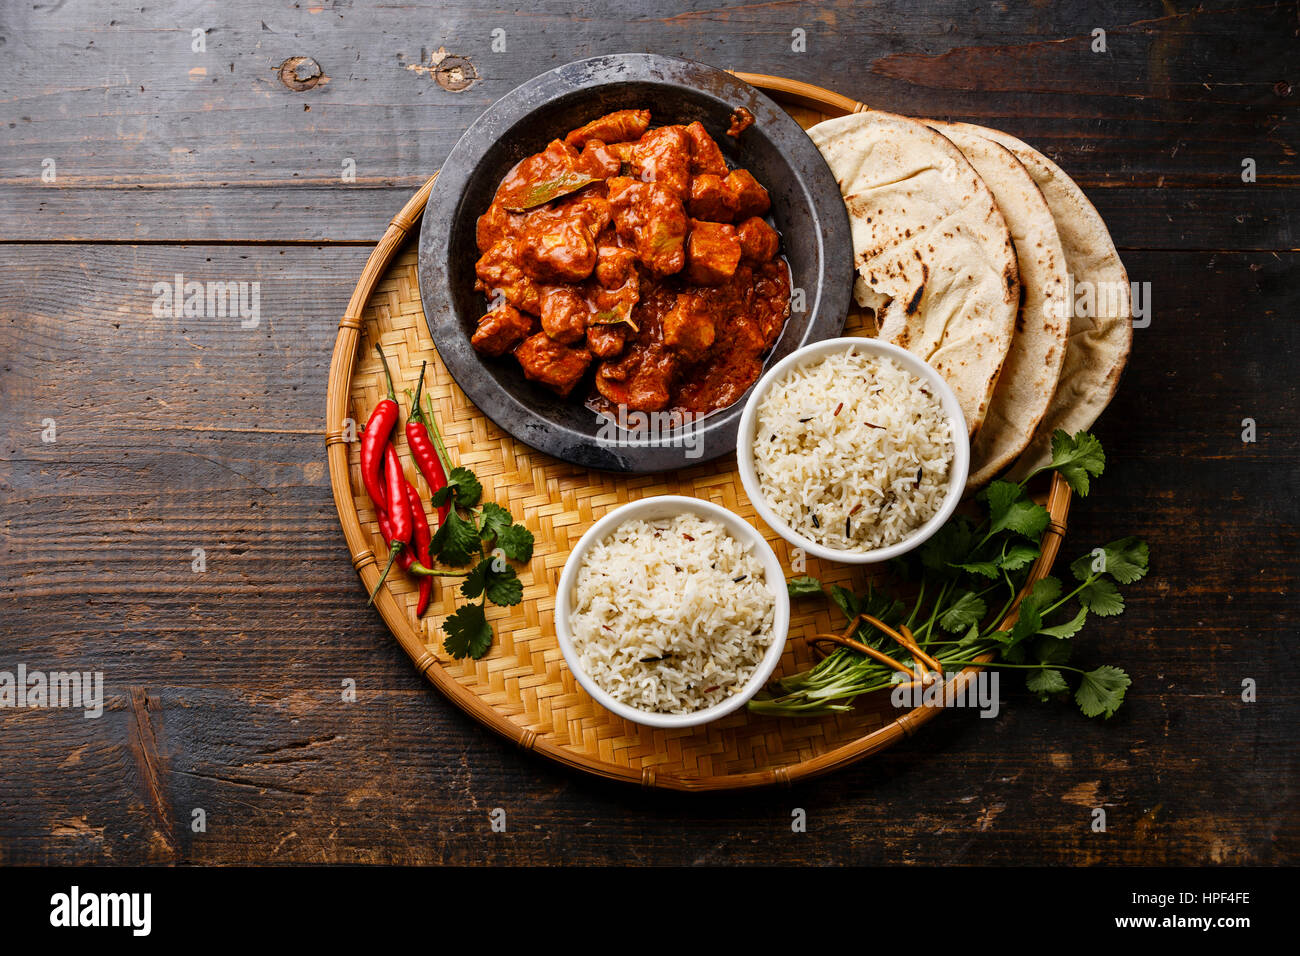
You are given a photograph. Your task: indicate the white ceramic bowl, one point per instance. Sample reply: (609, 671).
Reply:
(649, 509)
(918, 367)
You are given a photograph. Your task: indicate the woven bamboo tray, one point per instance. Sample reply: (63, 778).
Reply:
(522, 688)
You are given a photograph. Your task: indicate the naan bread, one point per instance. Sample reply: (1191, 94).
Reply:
(1033, 365)
(933, 254)
(1099, 343)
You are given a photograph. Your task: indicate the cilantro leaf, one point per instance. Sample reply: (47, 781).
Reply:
(1044, 592)
(494, 520)
(1102, 598)
(845, 601)
(476, 580)
(950, 545)
(1124, 560)
(1076, 458)
(1018, 555)
(456, 541)
(803, 586)
(468, 633)
(1051, 650)
(1010, 509)
(462, 483)
(1046, 683)
(966, 611)
(1069, 628)
(1029, 613)
(988, 569)
(501, 584)
(504, 587)
(517, 542)
(1102, 691)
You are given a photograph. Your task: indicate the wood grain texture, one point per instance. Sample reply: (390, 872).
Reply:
(224, 687)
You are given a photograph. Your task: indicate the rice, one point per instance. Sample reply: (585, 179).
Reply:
(671, 615)
(852, 451)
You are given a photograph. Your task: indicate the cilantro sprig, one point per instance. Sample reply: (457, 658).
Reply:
(966, 581)
(486, 538)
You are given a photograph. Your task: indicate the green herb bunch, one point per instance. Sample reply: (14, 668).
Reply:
(470, 534)
(965, 581)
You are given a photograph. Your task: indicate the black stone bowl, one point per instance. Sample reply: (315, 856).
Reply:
(806, 208)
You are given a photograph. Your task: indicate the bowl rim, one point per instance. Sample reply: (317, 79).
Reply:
(739, 528)
(827, 297)
(913, 363)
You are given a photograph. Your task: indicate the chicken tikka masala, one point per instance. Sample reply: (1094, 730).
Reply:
(640, 252)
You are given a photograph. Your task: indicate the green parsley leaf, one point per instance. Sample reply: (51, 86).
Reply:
(500, 583)
(988, 569)
(1102, 691)
(1046, 683)
(476, 580)
(1076, 458)
(456, 541)
(1051, 650)
(845, 601)
(950, 545)
(1010, 509)
(1124, 560)
(967, 610)
(803, 586)
(462, 483)
(1018, 555)
(1069, 628)
(468, 633)
(1102, 598)
(517, 542)
(504, 587)
(494, 520)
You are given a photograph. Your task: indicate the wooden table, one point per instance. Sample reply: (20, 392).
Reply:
(272, 146)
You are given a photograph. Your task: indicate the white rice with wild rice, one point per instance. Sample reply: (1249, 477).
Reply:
(671, 615)
(853, 451)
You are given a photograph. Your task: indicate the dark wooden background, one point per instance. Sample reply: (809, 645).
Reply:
(224, 687)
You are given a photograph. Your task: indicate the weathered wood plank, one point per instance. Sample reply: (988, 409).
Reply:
(1243, 217)
(219, 147)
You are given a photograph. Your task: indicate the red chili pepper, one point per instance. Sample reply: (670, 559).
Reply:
(401, 523)
(423, 539)
(375, 438)
(429, 457)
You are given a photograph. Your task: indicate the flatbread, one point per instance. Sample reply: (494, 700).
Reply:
(1099, 342)
(933, 254)
(1033, 365)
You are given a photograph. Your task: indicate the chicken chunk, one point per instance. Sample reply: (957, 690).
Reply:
(712, 253)
(747, 195)
(710, 198)
(689, 326)
(599, 160)
(618, 127)
(498, 270)
(706, 155)
(663, 156)
(607, 341)
(564, 313)
(548, 362)
(653, 219)
(758, 241)
(639, 380)
(558, 244)
(501, 330)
